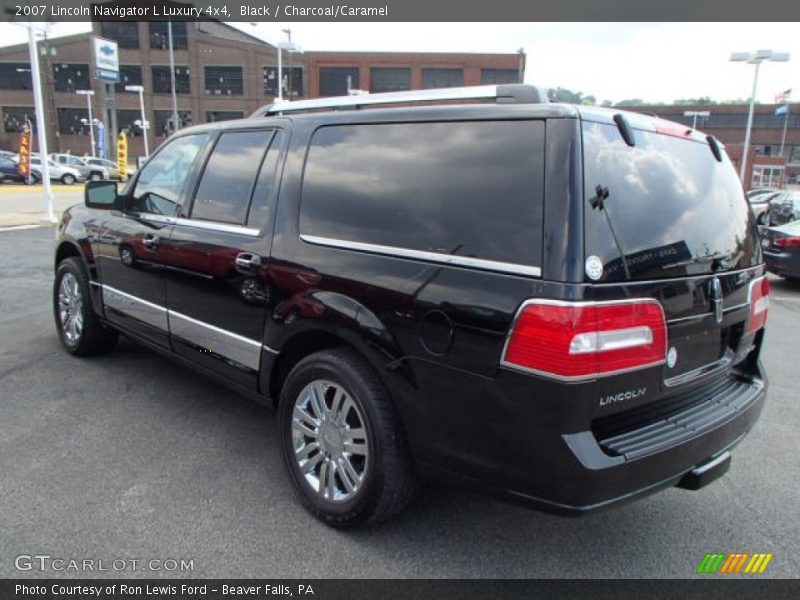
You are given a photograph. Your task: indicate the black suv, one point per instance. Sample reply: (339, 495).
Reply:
(561, 305)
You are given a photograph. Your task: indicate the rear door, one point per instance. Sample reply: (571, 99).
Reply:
(219, 255)
(665, 219)
(130, 248)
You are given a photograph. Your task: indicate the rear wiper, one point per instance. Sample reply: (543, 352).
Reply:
(697, 260)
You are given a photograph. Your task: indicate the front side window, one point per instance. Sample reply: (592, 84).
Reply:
(471, 189)
(230, 174)
(161, 183)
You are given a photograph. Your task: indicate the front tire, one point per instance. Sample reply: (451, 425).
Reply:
(342, 441)
(79, 328)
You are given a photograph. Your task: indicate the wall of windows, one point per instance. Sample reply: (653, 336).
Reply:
(292, 78)
(224, 81)
(15, 76)
(125, 33)
(333, 80)
(442, 78)
(159, 35)
(498, 76)
(161, 83)
(69, 121)
(14, 118)
(128, 75)
(389, 79)
(68, 77)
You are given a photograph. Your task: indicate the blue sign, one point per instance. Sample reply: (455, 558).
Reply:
(101, 140)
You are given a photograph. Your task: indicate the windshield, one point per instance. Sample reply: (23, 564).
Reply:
(671, 208)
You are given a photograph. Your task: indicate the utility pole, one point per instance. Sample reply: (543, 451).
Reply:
(175, 122)
(41, 125)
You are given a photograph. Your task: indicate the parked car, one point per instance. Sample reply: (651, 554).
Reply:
(66, 175)
(781, 246)
(783, 208)
(561, 305)
(108, 167)
(89, 171)
(9, 172)
(759, 202)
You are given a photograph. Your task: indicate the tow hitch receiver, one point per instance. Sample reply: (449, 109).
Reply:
(706, 472)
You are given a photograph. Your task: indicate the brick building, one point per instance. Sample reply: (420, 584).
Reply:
(727, 122)
(220, 73)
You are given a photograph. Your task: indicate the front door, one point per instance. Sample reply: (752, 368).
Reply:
(217, 286)
(130, 248)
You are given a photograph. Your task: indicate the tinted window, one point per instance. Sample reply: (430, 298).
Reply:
(159, 35)
(389, 79)
(470, 188)
(71, 77)
(162, 180)
(496, 76)
(442, 78)
(266, 186)
(224, 81)
(161, 79)
(15, 76)
(675, 209)
(128, 75)
(229, 176)
(333, 80)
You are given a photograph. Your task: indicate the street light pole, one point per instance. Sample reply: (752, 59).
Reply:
(140, 89)
(280, 74)
(89, 94)
(754, 58)
(49, 216)
(175, 123)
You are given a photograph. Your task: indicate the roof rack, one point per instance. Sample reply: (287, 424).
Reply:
(511, 93)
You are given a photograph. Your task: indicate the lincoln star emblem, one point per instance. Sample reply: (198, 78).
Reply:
(716, 298)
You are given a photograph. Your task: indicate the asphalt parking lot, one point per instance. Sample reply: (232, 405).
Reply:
(132, 456)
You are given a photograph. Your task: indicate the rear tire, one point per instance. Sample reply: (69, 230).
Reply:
(342, 441)
(68, 179)
(79, 328)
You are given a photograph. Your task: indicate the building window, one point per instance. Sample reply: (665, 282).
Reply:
(14, 118)
(333, 80)
(161, 80)
(128, 75)
(125, 33)
(70, 121)
(15, 76)
(389, 79)
(126, 119)
(292, 81)
(442, 78)
(495, 76)
(163, 125)
(159, 37)
(212, 116)
(71, 77)
(224, 81)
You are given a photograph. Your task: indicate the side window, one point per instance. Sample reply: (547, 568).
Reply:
(472, 189)
(230, 175)
(266, 185)
(161, 182)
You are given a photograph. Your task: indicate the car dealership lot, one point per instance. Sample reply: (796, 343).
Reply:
(131, 456)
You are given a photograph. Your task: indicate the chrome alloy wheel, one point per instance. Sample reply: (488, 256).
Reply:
(330, 440)
(70, 308)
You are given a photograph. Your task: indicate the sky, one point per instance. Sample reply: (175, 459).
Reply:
(657, 62)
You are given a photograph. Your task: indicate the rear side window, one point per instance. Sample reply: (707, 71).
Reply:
(471, 189)
(230, 174)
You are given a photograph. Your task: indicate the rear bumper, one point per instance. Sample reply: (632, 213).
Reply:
(516, 453)
(689, 449)
(782, 263)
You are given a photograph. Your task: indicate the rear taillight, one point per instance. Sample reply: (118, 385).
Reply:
(758, 297)
(582, 340)
(788, 242)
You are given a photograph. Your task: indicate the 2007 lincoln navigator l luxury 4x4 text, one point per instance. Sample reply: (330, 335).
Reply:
(560, 305)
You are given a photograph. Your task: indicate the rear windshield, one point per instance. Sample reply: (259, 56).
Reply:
(671, 210)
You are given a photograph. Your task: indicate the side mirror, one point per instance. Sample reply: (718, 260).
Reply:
(102, 195)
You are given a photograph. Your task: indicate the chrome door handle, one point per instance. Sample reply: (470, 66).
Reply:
(247, 261)
(150, 241)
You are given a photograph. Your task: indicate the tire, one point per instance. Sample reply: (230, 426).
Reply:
(68, 179)
(95, 176)
(380, 464)
(78, 327)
